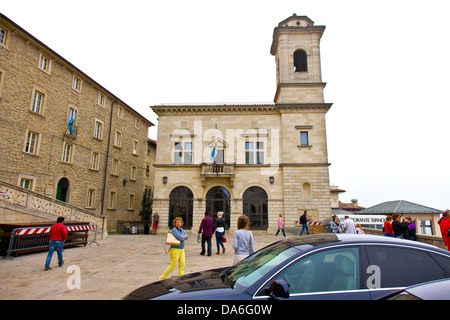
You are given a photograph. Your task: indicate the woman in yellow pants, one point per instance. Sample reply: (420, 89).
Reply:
(176, 252)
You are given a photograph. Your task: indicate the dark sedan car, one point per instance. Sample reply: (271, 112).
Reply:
(322, 266)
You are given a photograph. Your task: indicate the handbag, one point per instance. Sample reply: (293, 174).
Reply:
(171, 240)
(224, 239)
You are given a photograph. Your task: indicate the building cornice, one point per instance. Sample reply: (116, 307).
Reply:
(222, 109)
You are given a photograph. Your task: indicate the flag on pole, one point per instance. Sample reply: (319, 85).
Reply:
(214, 151)
(70, 124)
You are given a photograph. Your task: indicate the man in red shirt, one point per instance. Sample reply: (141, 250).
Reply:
(58, 234)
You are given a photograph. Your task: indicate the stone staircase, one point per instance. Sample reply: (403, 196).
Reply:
(26, 206)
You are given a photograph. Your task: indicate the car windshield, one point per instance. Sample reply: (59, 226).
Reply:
(251, 269)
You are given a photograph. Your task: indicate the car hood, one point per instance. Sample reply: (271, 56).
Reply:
(206, 284)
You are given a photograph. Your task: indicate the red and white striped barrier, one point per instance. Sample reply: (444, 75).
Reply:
(81, 228)
(311, 223)
(40, 230)
(25, 231)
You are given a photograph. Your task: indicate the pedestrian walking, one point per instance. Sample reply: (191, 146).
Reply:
(57, 236)
(444, 224)
(206, 230)
(349, 225)
(387, 227)
(243, 240)
(280, 226)
(219, 229)
(304, 223)
(176, 252)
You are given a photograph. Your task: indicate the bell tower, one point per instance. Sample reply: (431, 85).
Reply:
(300, 100)
(296, 47)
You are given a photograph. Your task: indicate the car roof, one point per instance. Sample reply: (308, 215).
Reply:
(325, 239)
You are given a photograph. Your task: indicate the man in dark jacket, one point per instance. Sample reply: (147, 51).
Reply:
(304, 223)
(206, 229)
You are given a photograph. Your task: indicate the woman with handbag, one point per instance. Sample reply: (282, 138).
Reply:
(176, 251)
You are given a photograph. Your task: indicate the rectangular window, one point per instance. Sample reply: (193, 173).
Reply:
(133, 173)
(120, 112)
(254, 152)
(112, 200)
(182, 153)
(131, 202)
(98, 129)
(249, 153)
(90, 198)
(101, 99)
(115, 167)
(26, 183)
(67, 153)
(135, 147)
(2, 36)
(259, 152)
(94, 160)
(118, 139)
(188, 153)
(44, 63)
(304, 139)
(76, 84)
(426, 227)
(31, 143)
(38, 102)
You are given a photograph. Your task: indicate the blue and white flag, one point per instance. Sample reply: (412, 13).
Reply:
(70, 124)
(214, 151)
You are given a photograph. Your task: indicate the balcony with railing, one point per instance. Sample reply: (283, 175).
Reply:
(215, 170)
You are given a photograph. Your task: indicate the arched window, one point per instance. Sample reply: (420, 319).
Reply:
(255, 207)
(300, 61)
(181, 205)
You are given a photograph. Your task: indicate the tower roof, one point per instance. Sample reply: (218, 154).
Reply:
(294, 24)
(294, 20)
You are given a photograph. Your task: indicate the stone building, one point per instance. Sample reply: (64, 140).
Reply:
(64, 135)
(254, 159)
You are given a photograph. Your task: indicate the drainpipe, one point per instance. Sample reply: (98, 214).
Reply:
(107, 157)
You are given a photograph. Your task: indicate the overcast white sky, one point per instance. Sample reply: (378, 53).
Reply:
(386, 65)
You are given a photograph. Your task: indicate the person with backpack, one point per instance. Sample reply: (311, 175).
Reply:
(304, 223)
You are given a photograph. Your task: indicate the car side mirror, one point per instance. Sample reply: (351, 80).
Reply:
(278, 289)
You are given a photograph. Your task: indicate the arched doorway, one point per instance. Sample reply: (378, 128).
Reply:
(255, 207)
(218, 199)
(62, 190)
(181, 205)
